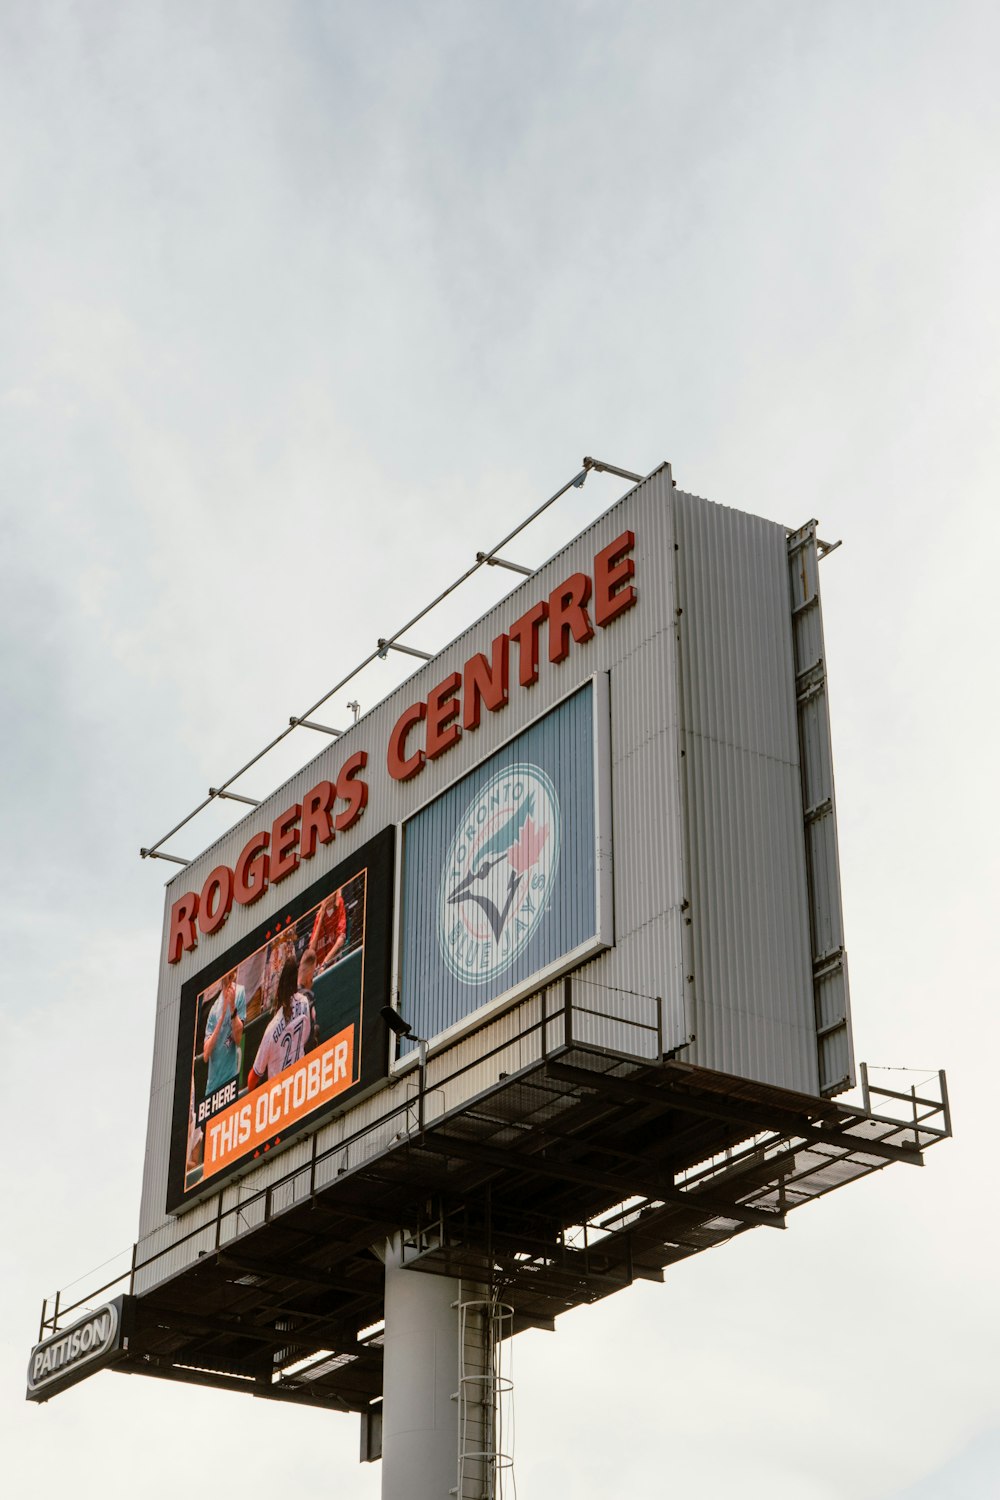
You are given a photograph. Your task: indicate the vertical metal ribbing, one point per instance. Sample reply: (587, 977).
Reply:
(831, 996)
(750, 939)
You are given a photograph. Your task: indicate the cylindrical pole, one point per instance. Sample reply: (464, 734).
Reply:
(420, 1382)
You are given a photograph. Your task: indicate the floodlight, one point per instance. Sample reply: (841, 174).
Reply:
(395, 1022)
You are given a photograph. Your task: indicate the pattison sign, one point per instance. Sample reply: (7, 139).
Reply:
(424, 730)
(76, 1352)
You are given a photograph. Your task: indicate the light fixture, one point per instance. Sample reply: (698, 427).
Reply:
(395, 1022)
(404, 1030)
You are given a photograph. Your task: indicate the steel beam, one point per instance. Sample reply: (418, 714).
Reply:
(754, 1118)
(623, 1186)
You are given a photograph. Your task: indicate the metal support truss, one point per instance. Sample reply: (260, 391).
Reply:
(382, 649)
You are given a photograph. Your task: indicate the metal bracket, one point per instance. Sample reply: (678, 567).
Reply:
(311, 724)
(218, 791)
(174, 859)
(600, 467)
(384, 647)
(502, 562)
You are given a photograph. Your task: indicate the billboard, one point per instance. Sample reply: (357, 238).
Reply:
(655, 657)
(506, 875)
(284, 1025)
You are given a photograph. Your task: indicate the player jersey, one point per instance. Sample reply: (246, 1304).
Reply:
(224, 1062)
(330, 926)
(285, 1041)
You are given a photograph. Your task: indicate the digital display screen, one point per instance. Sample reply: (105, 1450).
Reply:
(284, 1025)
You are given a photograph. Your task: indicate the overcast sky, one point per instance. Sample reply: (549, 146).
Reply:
(303, 304)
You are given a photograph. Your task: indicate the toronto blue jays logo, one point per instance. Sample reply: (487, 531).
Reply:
(499, 873)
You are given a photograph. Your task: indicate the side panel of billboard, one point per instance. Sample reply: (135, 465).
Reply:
(753, 999)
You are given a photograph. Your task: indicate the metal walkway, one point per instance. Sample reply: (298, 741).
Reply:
(558, 1186)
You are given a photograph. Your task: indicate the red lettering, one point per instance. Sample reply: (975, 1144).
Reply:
(284, 837)
(216, 899)
(525, 632)
(442, 708)
(352, 790)
(401, 768)
(567, 613)
(182, 915)
(317, 824)
(252, 870)
(612, 569)
(486, 682)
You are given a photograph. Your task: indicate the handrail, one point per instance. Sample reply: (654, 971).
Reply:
(343, 1147)
(405, 1110)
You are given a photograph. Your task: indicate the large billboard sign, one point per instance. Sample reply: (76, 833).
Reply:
(650, 664)
(283, 1026)
(505, 876)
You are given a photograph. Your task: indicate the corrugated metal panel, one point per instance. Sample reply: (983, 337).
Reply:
(620, 1020)
(750, 924)
(835, 1044)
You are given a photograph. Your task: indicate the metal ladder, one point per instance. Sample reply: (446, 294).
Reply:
(484, 1395)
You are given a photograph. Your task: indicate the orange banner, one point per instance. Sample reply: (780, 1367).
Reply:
(279, 1102)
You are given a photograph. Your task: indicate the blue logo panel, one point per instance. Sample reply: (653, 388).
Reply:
(499, 872)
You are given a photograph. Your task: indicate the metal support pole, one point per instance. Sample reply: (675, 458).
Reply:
(943, 1080)
(420, 1382)
(422, 1066)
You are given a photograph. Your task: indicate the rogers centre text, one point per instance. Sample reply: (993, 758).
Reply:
(423, 731)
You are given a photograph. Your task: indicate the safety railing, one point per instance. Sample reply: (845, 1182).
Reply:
(400, 1123)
